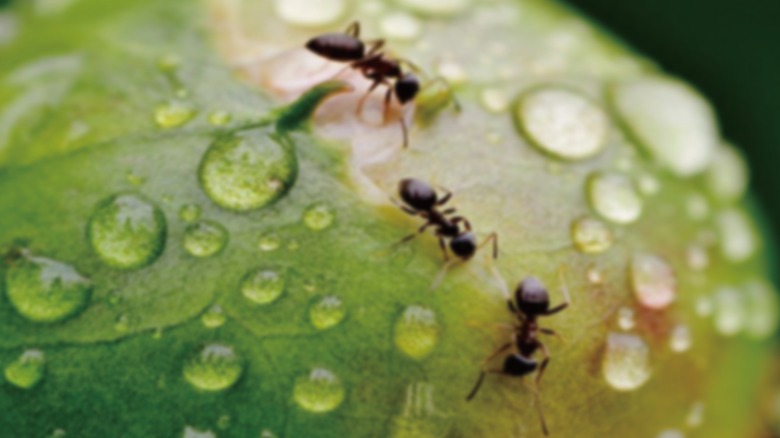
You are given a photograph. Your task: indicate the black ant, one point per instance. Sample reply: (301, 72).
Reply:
(531, 301)
(422, 200)
(373, 64)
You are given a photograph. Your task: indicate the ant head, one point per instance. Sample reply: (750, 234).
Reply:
(531, 297)
(406, 88)
(337, 47)
(417, 194)
(464, 245)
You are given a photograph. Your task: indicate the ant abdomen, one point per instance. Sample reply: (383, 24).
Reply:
(464, 245)
(337, 47)
(517, 365)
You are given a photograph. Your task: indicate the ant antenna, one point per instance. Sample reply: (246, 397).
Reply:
(564, 285)
(476, 386)
(443, 273)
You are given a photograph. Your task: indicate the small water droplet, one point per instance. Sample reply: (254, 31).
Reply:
(680, 339)
(247, 171)
(494, 100)
(157, 333)
(697, 257)
(219, 118)
(648, 184)
(45, 290)
(653, 281)
(594, 275)
(613, 197)
(319, 391)
(704, 306)
(122, 324)
(168, 63)
(173, 114)
(318, 217)
(762, 309)
(327, 312)
(204, 239)
(310, 13)
(695, 415)
(190, 213)
(453, 73)
(729, 311)
(436, 7)
(267, 434)
(671, 433)
(626, 318)
(223, 422)
(401, 26)
(27, 370)
(214, 367)
(58, 433)
(269, 242)
(293, 245)
(697, 206)
(591, 236)
(738, 241)
(416, 332)
(213, 317)
(191, 432)
(727, 176)
(626, 364)
(562, 123)
(263, 286)
(135, 179)
(127, 231)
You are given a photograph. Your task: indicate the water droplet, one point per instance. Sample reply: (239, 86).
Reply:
(653, 281)
(310, 13)
(401, 26)
(738, 241)
(190, 212)
(680, 339)
(204, 239)
(214, 367)
(191, 432)
(135, 179)
(263, 286)
(213, 317)
(762, 309)
(729, 311)
(267, 434)
(58, 433)
(248, 171)
(671, 433)
(648, 184)
(591, 236)
(319, 391)
(670, 120)
(436, 7)
(494, 100)
(318, 217)
(594, 275)
(173, 114)
(219, 118)
(695, 415)
(562, 123)
(626, 318)
(416, 332)
(626, 361)
(168, 63)
(27, 370)
(697, 206)
(704, 306)
(697, 257)
(727, 176)
(613, 197)
(327, 312)
(45, 290)
(453, 73)
(269, 242)
(122, 324)
(223, 422)
(127, 231)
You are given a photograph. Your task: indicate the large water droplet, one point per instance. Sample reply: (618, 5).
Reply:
(173, 114)
(214, 367)
(27, 370)
(191, 432)
(670, 120)
(327, 312)
(248, 170)
(213, 317)
(680, 339)
(738, 240)
(310, 13)
(416, 332)
(263, 286)
(562, 123)
(318, 217)
(727, 176)
(319, 391)
(127, 231)
(204, 239)
(729, 311)
(190, 212)
(626, 364)
(653, 281)
(625, 318)
(762, 309)
(613, 197)
(591, 236)
(45, 290)
(436, 7)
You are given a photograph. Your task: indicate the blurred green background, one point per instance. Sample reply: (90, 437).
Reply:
(731, 52)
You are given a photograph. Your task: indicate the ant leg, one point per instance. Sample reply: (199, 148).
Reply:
(375, 46)
(406, 209)
(353, 29)
(444, 199)
(566, 296)
(404, 130)
(442, 273)
(449, 211)
(377, 82)
(443, 246)
(388, 97)
(441, 80)
(551, 332)
(539, 411)
(466, 223)
(494, 238)
(413, 235)
(412, 66)
(483, 372)
(543, 365)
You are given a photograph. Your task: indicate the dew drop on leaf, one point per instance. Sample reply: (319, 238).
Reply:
(173, 114)
(591, 236)
(626, 362)
(190, 213)
(269, 242)
(727, 175)
(214, 367)
(27, 370)
(625, 318)
(319, 391)
(401, 26)
(614, 198)
(738, 241)
(680, 339)
(327, 312)
(263, 286)
(219, 118)
(213, 317)
(318, 217)
(671, 433)
(729, 311)
(191, 432)
(652, 280)
(204, 239)
(416, 332)
(762, 309)
(436, 7)
(310, 13)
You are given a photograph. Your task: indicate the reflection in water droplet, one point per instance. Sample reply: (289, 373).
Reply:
(729, 311)
(738, 241)
(327, 312)
(416, 332)
(269, 242)
(591, 236)
(562, 123)
(127, 231)
(318, 217)
(191, 432)
(173, 114)
(204, 239)
(680, 339)
(653, 281)
(190, 212)
(214, 367)
(213, 317)
(263, 286)
(401, 26)
(45, 290)
(27, 370)
(626, 318)
(762, 309)
(249, 170)
(219, 118)
(319, 391)
(613, 197)
(308, 13)
(626, 364)
(727, 176)
(436, 7)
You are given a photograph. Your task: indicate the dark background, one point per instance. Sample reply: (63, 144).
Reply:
(729, 50)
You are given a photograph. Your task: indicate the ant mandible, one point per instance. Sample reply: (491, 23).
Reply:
(531, 301)
(422, 200)
(373, 64)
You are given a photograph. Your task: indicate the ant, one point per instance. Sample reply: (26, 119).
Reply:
(531, 301)
(422, 200)
(373, 64)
